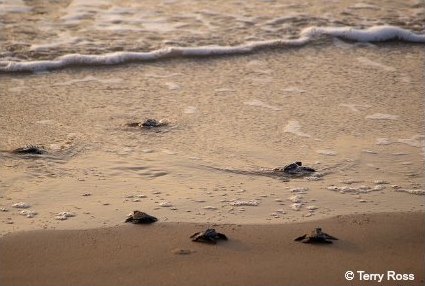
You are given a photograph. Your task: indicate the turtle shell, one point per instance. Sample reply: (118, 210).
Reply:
(139, 217)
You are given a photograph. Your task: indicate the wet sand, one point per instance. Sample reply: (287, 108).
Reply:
(365, 126)
(254, 254)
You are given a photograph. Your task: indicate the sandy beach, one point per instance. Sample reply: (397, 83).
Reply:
(336, 85)
(253, 255)
(363, 129)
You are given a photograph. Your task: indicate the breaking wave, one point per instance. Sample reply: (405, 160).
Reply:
(307, 35)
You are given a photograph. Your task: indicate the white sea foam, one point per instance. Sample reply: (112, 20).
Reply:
(372, 34)
(245, 203)
(256, 102)
(413, 191)
(165, 204)
(299, 190)
(190, 109)
(294, 127)
(312, 208)
(327, 152)
(296, 206)
(88, 79)
(28, 213)
(368, 62)
(415, 141)
(64, 215)
(13, 6)
(383, 141)
(295, 198)
(382, 116)
(364, 6)
(21, 205)
(293, 90)
(354, 107)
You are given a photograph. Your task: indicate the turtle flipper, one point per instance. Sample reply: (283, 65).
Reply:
(317, 240)
(221, 236)
(194, 235)
(301, 237)
(129, 219)
(330, 236)
(202, 238)
(308, 169)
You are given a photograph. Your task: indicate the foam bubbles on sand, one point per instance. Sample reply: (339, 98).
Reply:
(172, 85)
(190, 110)
(28, 213)
(245, 203)
(362, 189)
(294, 127)
(299, 190)
(326, 152)
(293, 90)
(165, 204)
(259, 103)
(21, 205)
(64, 215)
(413, 191)
(415, 141)
(295, 198)
(354, 107)
(311, 208)
(383, 141)
(382, 116)
(296, 206)
(364, 6)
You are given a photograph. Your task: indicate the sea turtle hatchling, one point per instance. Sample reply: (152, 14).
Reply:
(316, 236)
(29, 149)
(151, 123)
(295, 169)
(148, 123)
(208, 236)
(138, 217)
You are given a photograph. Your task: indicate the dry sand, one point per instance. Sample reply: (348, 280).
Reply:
(254, 255)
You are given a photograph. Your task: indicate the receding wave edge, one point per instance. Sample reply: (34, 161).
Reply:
(372, 34)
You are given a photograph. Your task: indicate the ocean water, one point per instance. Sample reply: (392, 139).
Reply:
(246, 86)
(54, 34)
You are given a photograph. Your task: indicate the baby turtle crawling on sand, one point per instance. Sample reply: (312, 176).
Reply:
(148, 123)
(138, 217)
(208, 236)
(316, 236)
(30, 149)
(296, 169)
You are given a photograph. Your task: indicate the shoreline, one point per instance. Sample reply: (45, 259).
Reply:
(254, 255)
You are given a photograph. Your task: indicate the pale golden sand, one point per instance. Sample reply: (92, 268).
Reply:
(254, 254)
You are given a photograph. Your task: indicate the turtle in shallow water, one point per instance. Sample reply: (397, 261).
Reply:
(138, 217)
(148, 123)
(208, 236)
(151, 123)
(30, 149)
(316, 236)
(295, 169)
